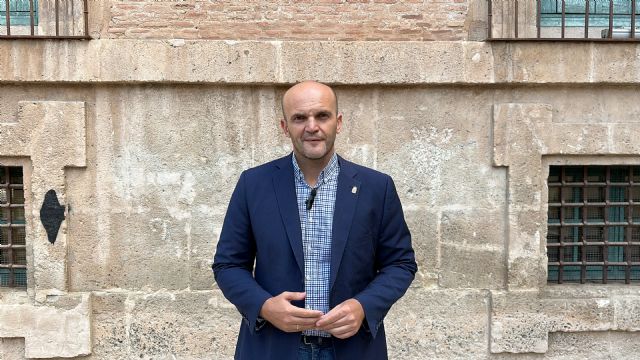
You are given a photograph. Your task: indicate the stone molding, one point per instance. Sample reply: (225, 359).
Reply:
(523, 136)
(59, 328)
(355, 63)
(53, 135)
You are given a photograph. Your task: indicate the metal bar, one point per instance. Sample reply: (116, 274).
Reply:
(489, 20)
(8, 17)
(562, 230)
(610, 19)
(563, 19)
(633, 26)
(538, 11)
(631, 243)
(627, 248)
(46, 37)
(86, 18)
(586, 19)
(10, 233)
(578, 263)
(583, 253)
(605, 248)
(516, 19)
(57, 18)
(31, 17)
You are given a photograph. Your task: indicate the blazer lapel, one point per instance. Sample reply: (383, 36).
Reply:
(346, 200)
(288, 204)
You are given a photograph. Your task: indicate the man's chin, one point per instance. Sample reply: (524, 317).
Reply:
(315, 155)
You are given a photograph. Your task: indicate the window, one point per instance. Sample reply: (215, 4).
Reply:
(44, 19)
(593, 232)
(13, 256)
(575, 10)
(19, 12)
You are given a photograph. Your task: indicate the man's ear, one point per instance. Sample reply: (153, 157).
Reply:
(283, 126)
(339, 119)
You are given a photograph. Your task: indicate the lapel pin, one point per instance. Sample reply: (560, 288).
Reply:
(354, 190)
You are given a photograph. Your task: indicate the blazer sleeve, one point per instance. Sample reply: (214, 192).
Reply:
(234, 259)
(395, 262)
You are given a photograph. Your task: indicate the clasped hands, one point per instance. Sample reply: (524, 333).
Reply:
(342, 321)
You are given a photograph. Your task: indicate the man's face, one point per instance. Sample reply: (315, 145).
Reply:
(311, 121)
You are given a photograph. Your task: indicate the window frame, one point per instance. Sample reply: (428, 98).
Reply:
(8, 267)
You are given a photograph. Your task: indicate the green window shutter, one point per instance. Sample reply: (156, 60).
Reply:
(19, 12)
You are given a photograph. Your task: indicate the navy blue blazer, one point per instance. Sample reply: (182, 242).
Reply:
(371, 255)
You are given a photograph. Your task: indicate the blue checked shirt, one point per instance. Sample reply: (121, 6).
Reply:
(317, 224)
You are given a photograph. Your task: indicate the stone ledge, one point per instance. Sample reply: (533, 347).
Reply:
(522, 320)
(337, 62)
(61, 327)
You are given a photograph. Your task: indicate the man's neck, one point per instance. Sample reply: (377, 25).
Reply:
(311, 168)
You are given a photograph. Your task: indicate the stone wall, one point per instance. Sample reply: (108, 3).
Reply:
(143, 141)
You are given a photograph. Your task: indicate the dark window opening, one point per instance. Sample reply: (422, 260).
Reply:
(593, 227)
(13, 255)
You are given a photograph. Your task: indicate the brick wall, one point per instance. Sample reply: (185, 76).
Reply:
(289, 20)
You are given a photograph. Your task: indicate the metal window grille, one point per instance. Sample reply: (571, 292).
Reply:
(13, 256)
(60, 19)
(593, 232)
(590, 20)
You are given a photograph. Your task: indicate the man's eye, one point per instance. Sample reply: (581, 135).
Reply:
(323, 116)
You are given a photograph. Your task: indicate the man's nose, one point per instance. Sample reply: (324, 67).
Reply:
(312, 125)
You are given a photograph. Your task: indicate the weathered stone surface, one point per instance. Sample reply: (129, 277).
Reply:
(627, 310)
(460, 267)
(52, 134)
(241, 62)
(593, 345)
(521, 321)
(12, 349)
(424, 238)
(61, 327)
(439, 324)
(440, 145)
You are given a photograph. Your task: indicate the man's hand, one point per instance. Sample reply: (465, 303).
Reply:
(286, 317)
(344, 320)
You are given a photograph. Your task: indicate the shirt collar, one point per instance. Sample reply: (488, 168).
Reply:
(328, 173)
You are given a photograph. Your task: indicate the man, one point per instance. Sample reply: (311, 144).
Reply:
(331, 248)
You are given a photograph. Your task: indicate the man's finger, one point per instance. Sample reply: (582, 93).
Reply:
(307, 322)
(342, 331)
(291, 296)
(304, 313)
(336, 324)
(332, 316)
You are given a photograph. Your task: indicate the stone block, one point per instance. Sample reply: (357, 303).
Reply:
(460, 267)
(518, 323)
(424, 238)
(439, 143)
(110, 326)
(12, 349)
(475, 227)
(521, 321)
(182, 325)
(627, 311)
(438, 324)
(593, 345)
(60, 327)
(357, 140)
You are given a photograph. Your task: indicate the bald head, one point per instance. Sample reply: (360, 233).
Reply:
(305, 90)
